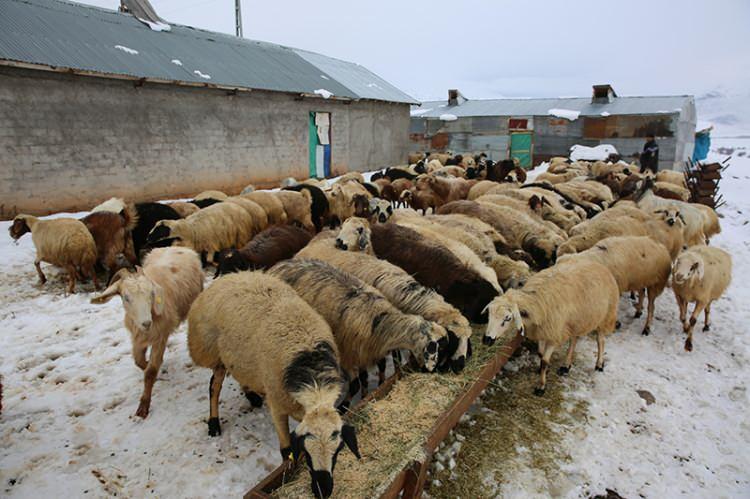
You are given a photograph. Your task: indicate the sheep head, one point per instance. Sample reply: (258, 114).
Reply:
(19, 227)
(354, 235)
(162, 232)
(142, 298)
(505, 319)
(671, 215)
(380, 210)
(688, 266)
(322, 435)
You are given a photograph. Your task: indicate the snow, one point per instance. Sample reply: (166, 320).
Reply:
(202, 75)
(324, 93)
(156, 26)
(600, 152)
(71, 389)
(177, 62)
(324, 77)
(702, 125)
(448, 117)
(373, 85)
(419, 112)
(568, 114)
(126, 49)
(604, 113)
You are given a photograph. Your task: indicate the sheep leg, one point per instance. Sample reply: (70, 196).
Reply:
(639, 304)
(683, 308)
(699, 307)
(381, 371)
(91, 272)
(363, 382)
(155, 360)
(139, 356)
(543, 370)
(649, 313)
(71, 279)
(42, 277)
(599, 351)
(281, 423)
(214, 389)
(564, 370)
(706, 322)
(354, 387)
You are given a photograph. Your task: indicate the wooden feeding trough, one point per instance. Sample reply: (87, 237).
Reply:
(399, 427)
(703, 182)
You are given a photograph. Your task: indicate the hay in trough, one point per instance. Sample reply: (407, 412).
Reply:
(392, 431)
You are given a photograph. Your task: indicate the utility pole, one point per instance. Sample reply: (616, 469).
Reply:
(238, 18)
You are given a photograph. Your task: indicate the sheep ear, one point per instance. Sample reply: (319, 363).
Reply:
(682, 219)
(349, 436)
(546, 201)
(534, 202)
(112, 290)
(158, 295)
(698, 268)
(298, 445)
(485, 309)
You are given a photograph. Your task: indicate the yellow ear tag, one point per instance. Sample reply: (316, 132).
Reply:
(291, 457)
(158, 300)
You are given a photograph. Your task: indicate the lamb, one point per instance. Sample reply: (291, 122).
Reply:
(256, 212)
(637, 263)
(435, 267)
(298, 207)
(519, 229)
(63, 242)
(111, 233)
(700, 275)
(387, 191)
(561, 303)
(401, 185)
(272, 205)
(380, 210)
(319, 209)
(156, 299)
(419, 200)
(289, 355)
(397, 286)
(208, 231)
(361, 206)
(271, 246)
(183, 208)
(365, 324)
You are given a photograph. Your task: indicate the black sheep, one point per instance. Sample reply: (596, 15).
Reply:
(148, 216)
(319, 210)
(397, 173)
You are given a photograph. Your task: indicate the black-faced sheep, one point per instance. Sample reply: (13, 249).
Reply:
(289, 355)
(63, 242)
(700, 275)
(271, 246)
(558, 304)
(380, 210)
(149, 214)
(156, 299)
(365, 324)
(397, 286)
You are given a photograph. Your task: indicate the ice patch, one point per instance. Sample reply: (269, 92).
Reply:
(419, 112)
(324, 93)
(373, 85)
(324, 77)
(448, 117)
(604, 113)
(568, 114)
(126, 49)
(202, 75)
(157, 26)
(177, 62)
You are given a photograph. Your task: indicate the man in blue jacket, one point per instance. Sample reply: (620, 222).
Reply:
(650, 155)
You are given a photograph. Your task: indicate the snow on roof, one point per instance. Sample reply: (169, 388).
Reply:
(568, 114)
(448, 117)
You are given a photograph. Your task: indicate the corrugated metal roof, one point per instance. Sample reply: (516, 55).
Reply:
(541, 107)
(70, 35)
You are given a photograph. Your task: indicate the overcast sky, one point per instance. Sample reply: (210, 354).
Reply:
(505, 48)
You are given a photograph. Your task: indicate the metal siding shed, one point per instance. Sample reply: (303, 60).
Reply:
(62, 34)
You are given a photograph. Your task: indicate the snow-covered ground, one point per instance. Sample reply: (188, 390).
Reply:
(71, 389)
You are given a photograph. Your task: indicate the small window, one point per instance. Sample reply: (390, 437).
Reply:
(518, 123)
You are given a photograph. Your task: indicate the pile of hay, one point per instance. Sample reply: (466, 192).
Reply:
(392, 431)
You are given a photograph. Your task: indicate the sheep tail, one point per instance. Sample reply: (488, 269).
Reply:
(130, 216)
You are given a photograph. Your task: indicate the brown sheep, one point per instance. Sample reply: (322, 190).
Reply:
(271, 246)
(112, 235)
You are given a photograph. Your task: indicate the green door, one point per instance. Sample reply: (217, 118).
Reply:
(520, 148)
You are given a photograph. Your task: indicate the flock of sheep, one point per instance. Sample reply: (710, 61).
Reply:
(316, 284)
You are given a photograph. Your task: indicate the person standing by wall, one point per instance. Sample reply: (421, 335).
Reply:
(650, 155)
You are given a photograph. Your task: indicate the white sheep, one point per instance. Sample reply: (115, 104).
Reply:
(64, 242)
(156, 299)
(288, 354)
(700, 275)
(558, 304)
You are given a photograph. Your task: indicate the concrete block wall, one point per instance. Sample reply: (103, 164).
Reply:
(68, 142)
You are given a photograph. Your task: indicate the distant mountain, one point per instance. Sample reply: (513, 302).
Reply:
(728, 111)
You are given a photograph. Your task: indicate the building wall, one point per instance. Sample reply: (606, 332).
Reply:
(68, 142)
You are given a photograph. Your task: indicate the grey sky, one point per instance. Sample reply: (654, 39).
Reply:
(506, 48)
